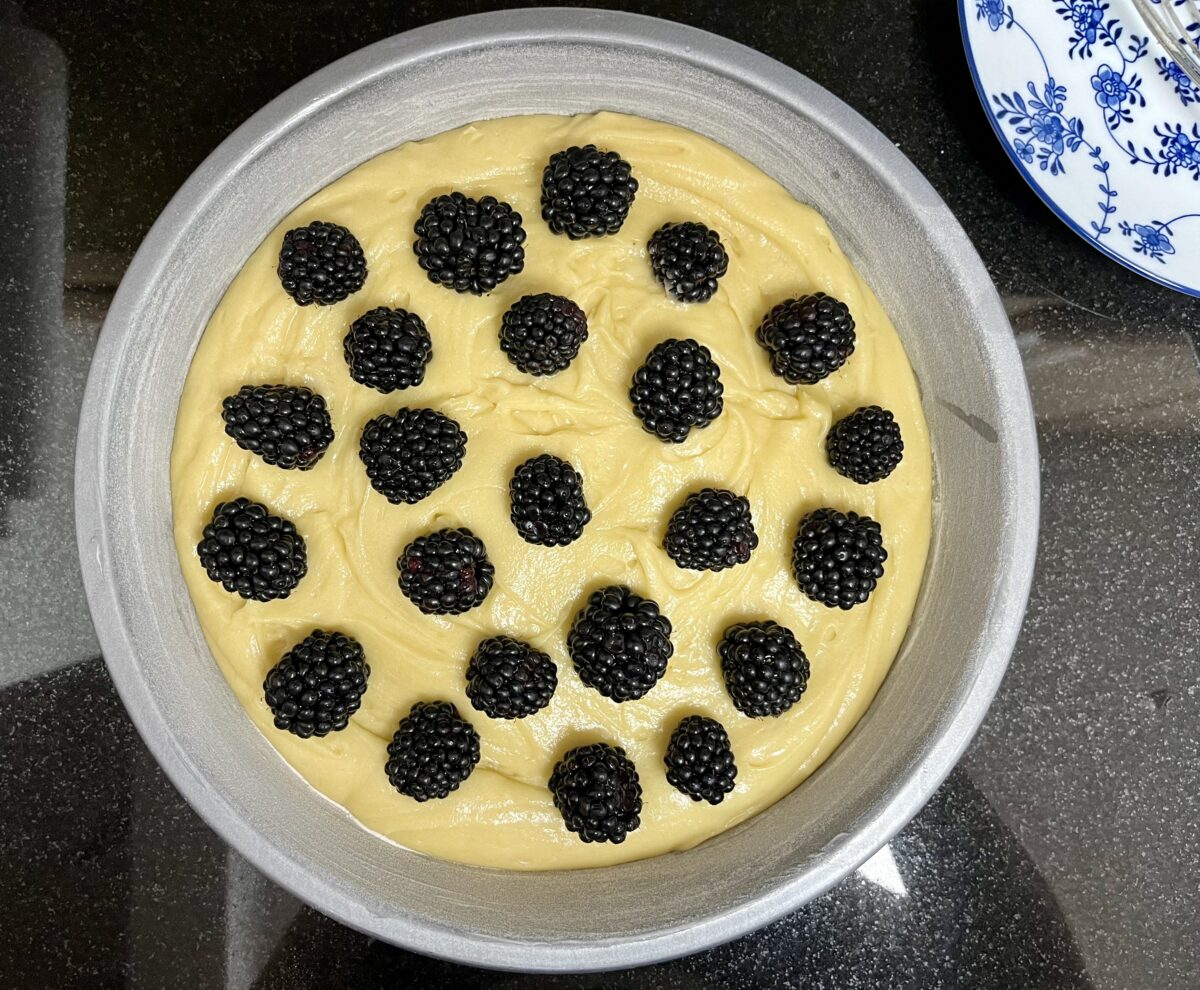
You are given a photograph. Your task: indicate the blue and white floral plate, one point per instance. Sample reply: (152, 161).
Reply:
(1100, 121)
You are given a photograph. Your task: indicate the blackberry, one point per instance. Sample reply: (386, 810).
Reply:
(838, 557)
(510, 679)
(388, 349)
(678, 387)
(712, 530)
(469, 245)
(866, 445)
(620, 643)
(317, 685)
(248, 550)
(700, 760)
(586, 192)
(542, 334)
(286, 426)
(322, 263)
(446, 572)
(596, 788)
(411, 454)
(433, 751)
(547, 501)
(687, 259)
(765, 669)
(807, 338)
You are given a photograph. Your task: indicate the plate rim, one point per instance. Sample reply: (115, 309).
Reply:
(1042, 193)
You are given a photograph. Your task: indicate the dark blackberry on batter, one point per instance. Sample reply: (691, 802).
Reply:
(700, 759)
(548, 507)
(411, 454)
(285, 425)
(866, 445)
(433, 751)
(507, 678)
(838, 557)
(317, 685)
(586, 192)
(688, 259)
(322, 263)
(446, 572)
(808, 338)
(388, 349)
(597, 790)
(764, 667)
(677, 388)
(248, 550)
(469, 245)
(711, 531)
(620, 643)
(542, 334)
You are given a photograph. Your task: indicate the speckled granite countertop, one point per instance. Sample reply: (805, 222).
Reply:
(1063, 852)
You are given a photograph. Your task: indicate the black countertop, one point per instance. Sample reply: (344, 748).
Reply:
(1064, 851)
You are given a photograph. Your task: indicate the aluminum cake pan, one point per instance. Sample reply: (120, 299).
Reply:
(910, 249)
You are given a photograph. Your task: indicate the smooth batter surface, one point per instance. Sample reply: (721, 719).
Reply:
(768, 444)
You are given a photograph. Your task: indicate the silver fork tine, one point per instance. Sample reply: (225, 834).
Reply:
(1168, 22)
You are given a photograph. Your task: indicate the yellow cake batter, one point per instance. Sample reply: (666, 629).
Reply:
(768, 444)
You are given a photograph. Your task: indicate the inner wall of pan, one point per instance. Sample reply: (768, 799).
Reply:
(904, 266)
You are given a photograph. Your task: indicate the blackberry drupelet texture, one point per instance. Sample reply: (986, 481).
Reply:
(322, 263)
(542, 334)
(246, 549)
(586, 192)
(411, 454)
(548, 506)
(808, 338)
(469, 245)
(620, 643)
(677, 388)
(388, 349)
(711, 531)
(865, 446)
(317, 685)
(700, 759)
(596, 788)
(764, 667)
(688, 259)
(446, 572)
(433, 751)
(838, 557)
(285, 425)
(507, 678)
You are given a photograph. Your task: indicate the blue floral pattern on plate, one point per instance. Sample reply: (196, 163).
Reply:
(1079, 88)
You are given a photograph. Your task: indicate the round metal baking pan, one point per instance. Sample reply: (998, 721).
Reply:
(907, 245)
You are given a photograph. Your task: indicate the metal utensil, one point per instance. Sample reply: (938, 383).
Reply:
(1175, 25)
